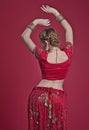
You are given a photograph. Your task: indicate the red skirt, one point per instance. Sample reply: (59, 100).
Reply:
(47, 109)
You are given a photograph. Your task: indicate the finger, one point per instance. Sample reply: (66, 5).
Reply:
(47, 20)
(48, 24)
(44, 8)
(47, 6)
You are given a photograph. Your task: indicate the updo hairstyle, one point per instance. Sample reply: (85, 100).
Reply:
(51, 36)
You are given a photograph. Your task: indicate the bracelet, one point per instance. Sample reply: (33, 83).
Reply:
(31, 26)
(59, 17)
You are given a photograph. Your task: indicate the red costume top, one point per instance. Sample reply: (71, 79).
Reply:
(53, 71)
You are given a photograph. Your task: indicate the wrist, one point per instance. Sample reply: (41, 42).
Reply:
(56, 13)
(60, 18)
(31, 26)
(35, 22)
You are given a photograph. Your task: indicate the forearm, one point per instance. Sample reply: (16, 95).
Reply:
(65, 24)
(30, 27)
(27, 32)
(26, 36)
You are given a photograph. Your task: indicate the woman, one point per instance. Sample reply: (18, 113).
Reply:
(47, 103)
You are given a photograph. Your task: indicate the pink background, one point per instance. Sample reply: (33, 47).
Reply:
(20, 71)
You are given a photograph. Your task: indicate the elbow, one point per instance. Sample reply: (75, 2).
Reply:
(69, 30)
(24, 36)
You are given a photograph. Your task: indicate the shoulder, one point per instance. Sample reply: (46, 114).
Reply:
(68, 45)
(39, 52)
(68, 48)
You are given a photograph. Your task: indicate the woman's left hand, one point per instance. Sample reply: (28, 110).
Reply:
(44, 22)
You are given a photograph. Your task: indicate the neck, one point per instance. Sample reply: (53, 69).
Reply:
(55, 48)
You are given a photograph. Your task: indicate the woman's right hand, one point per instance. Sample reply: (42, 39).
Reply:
(44, 22)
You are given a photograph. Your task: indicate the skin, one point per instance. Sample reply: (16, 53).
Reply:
(62, 57)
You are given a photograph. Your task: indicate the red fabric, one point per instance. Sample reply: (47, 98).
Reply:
(54, 71)
(47, 109)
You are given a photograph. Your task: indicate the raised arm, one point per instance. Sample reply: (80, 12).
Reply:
(26, 35)
(65, 24)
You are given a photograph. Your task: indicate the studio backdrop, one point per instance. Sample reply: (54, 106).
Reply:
(20, 70)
